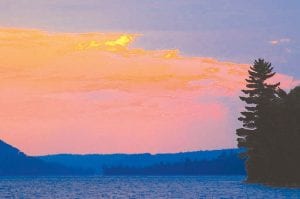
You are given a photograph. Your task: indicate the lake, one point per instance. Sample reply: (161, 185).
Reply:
(152, 187)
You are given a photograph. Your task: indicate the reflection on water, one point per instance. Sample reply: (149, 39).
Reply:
(138, 187)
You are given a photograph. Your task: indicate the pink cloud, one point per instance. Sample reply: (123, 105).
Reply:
(93, 93)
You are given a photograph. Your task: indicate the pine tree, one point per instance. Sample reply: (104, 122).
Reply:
(254, 135)
(291, 137)
(286, 128)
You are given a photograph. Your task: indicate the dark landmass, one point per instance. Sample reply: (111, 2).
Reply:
(99, 161)
(225, 164)
(14, 163)
(215, 162)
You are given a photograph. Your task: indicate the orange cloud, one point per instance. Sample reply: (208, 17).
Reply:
(104, 61)
(92, 92)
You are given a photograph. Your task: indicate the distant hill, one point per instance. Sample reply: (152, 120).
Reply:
(98, 161)
(15, 162)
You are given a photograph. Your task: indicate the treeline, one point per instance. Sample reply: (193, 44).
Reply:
(225, 164)
(97, 161)
(271, 129)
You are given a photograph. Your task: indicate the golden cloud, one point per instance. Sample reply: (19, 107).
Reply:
(39, 60)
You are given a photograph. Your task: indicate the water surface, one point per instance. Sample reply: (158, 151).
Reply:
(153, 187)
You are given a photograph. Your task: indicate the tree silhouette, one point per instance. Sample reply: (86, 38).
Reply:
(253, 136)
(285, 139)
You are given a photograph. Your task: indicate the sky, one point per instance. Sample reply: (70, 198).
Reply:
(135, 76)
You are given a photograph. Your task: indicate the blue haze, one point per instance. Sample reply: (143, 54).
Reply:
(97, 161)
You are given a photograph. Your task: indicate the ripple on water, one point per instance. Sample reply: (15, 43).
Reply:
(226, 187)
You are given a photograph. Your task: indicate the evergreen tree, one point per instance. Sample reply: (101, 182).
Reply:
(285, 129)
(254, 135)
(292, 140)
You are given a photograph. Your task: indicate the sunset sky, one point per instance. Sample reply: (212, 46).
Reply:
(132, 76)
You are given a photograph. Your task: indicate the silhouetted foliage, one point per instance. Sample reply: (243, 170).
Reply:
(284, 132)
(225, 164)
(271, 128)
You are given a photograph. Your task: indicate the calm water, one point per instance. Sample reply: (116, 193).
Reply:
(138, 187)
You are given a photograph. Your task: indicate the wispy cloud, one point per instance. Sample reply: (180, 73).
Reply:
(280, 41)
